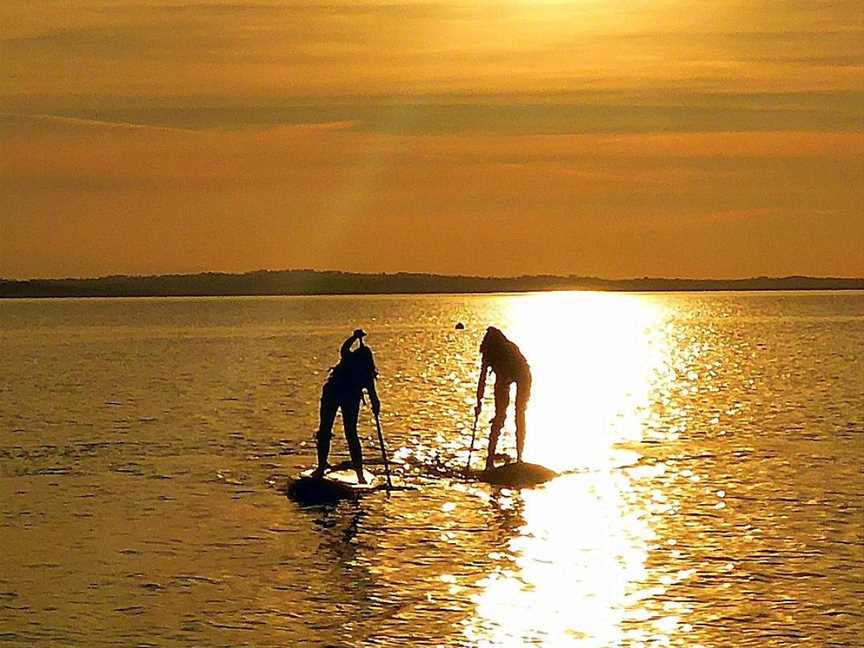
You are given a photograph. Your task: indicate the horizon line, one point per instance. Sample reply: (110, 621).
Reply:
(397, 273)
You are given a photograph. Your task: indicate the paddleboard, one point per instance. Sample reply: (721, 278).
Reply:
(516, 474)
(333, 485)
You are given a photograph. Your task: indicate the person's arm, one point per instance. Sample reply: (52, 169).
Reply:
(481, 387)
(345, 351)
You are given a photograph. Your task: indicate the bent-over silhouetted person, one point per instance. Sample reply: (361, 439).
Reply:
(504, 358)
(344, 390)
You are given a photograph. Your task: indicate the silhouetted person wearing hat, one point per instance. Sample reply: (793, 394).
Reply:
(344, 390)
(504, 358)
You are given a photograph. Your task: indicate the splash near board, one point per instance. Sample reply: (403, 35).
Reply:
(517, 475)
(333, 485)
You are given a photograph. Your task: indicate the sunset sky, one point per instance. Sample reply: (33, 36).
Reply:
(719, 138)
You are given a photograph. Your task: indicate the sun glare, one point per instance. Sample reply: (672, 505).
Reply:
(584, 541)
(593, 357)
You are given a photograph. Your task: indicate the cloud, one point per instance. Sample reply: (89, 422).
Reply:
(273, 51)
(676, 111)
(403, 10)
(20, 124)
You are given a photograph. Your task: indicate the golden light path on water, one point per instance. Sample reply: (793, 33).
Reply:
(709, 445)
(581, 553)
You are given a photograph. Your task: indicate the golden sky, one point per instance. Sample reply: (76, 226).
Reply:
(595, 137)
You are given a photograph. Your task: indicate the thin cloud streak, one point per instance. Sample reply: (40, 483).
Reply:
(16, 122)
(587, 112)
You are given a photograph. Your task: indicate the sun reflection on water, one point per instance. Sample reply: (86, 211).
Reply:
(578, 569)
(594, 358)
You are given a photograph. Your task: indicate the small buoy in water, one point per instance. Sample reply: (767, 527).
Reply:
(459, 326)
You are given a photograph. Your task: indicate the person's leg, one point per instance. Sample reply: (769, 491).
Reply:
(502, 400)
(350, 416)
(523, 393)
(327, 415)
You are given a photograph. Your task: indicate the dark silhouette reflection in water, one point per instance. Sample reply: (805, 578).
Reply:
(388, 578)
(344, 576)
(508, 507)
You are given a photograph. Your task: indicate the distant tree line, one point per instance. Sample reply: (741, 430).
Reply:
(313, 282)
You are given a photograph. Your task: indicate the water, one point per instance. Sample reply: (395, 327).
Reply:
(712, 447)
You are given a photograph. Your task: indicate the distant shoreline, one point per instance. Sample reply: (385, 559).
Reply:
(315, 282)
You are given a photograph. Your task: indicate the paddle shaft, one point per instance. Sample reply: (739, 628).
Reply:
(471, 447)
(383, 452)
(381, 443)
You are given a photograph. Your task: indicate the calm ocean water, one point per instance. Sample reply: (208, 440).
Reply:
(711, 446)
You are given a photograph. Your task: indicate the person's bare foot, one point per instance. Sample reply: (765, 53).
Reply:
(320, 470)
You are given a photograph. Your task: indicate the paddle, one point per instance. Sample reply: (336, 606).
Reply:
(360, 334)
(471, 448)
(383, 453)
